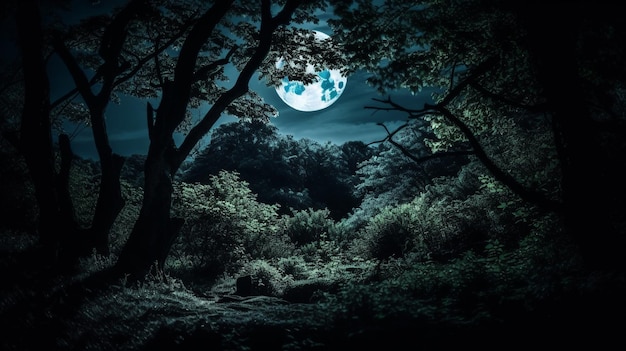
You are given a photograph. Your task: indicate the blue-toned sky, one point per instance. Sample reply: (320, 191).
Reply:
(345, 120)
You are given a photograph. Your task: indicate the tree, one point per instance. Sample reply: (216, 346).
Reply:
(131, 54)
(34, 139)
(102, 47)
(294, 174)
(155, 231)
(325, 174)
(589, 127)
(110, 201)
(502, 66)
(252, 148)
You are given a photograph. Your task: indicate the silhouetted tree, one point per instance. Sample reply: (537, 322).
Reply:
(126, 53)
(102, 55)
(155, 231)
(34, 140)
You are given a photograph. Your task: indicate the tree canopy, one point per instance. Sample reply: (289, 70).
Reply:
(504, 68)
(296, 174)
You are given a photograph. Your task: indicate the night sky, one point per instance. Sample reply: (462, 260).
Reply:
(345, 120)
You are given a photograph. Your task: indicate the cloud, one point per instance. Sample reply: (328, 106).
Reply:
(345, 120)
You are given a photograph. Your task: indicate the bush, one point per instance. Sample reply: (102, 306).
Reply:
(471, 287)
(307, 226)
(294, 266)
(451, 216)
(225, 226)
(315, 234)
(266, 279)
(392, 233)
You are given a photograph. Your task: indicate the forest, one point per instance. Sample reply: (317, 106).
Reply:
(493, 217)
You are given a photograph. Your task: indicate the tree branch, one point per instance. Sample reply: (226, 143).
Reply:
(268, 26)
(508, 180)
(207, 71)
(82, 83)
(408, 154)
(154, 55)
(440, 108)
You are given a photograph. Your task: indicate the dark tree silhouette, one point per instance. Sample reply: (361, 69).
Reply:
(591, 157)
(154, 231)
(125, 53)
(35, 140)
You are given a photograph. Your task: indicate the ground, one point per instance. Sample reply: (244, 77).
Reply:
(41, 309)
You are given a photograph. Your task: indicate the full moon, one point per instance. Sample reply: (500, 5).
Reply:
(325, 91)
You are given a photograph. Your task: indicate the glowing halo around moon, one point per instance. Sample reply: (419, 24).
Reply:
(325, 91)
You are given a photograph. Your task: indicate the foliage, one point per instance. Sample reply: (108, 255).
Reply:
(133, 170)
(12, 98)
(443, 45)
(15, 241)
(267, 279)
(84, 183)
(127, 216)
(296, 174)
(451, 216)
(251, 148)
(225, 226)
(461, 215)
(471, 288)
(151, 49)
(440, 45)
(307, 226)
(294, 266)
(95, 263)
(389, 177)
(391, 233)
(420, 44)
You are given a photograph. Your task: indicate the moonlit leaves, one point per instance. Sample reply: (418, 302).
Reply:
(251, 101)
(308, 83)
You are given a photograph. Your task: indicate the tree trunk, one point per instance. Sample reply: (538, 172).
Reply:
(154, 232)
(586, 189)
(61, 238)
(110, 201)
(35, 142)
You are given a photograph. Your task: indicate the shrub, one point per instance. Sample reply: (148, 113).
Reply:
(307, 226)
(266, 279)
(294, 266)
(315, 234)
(391, 233)
(225, 226)
(470, 287)
(133, 196)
